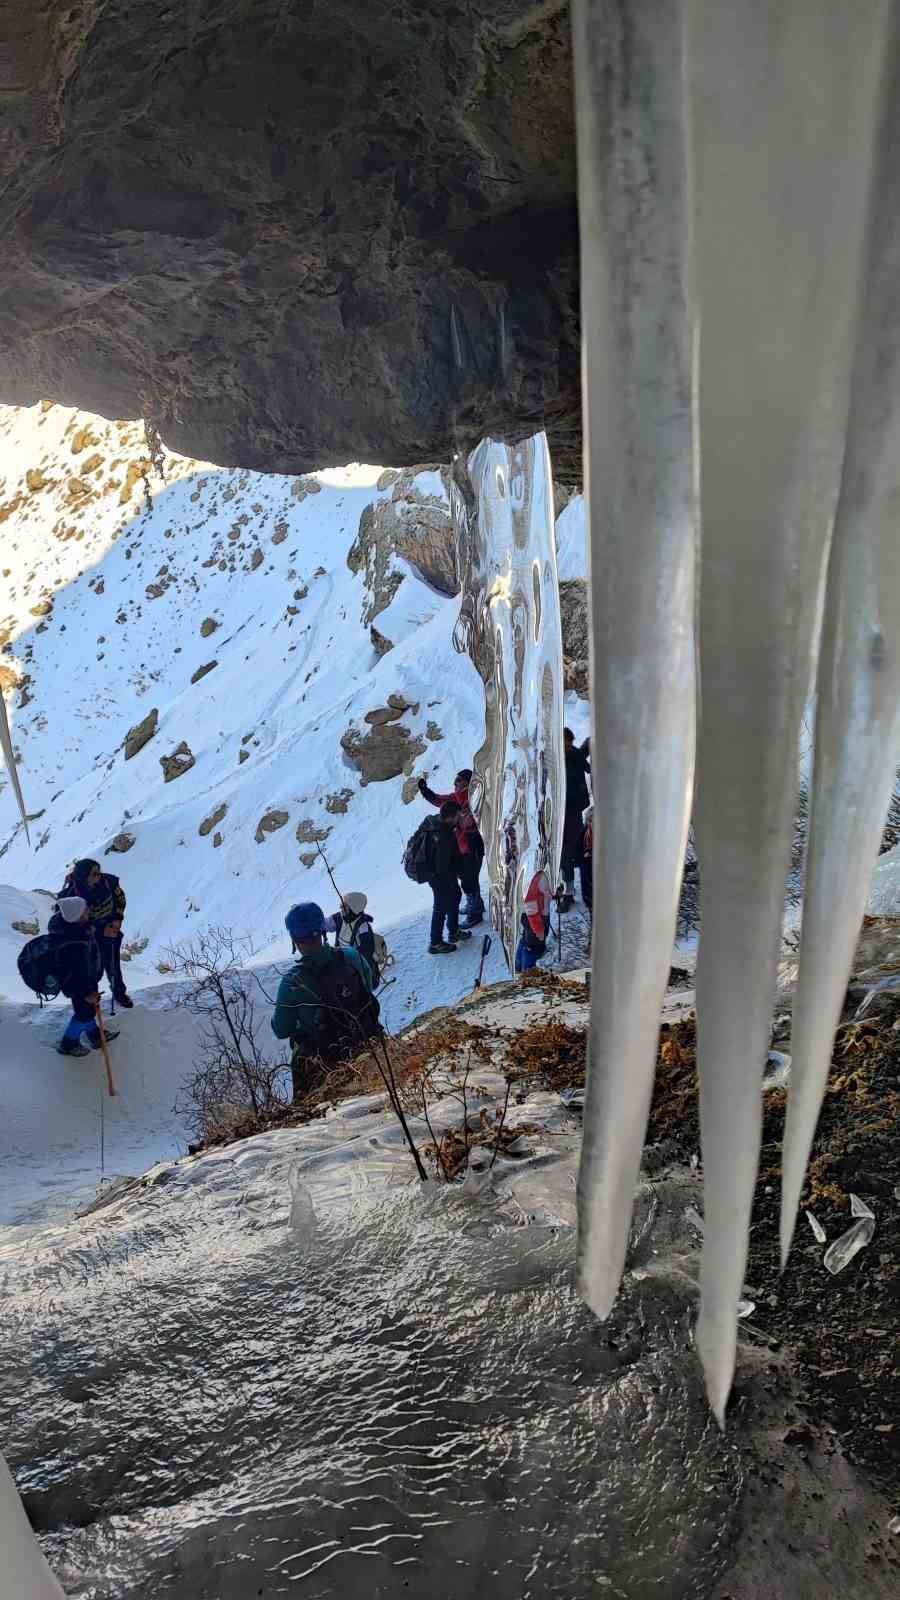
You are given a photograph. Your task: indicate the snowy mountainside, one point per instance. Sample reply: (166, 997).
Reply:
(218, 609)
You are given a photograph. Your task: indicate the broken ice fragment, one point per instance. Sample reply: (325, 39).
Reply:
(746, 1308)
(841, 1253)
(858, 1208)
(818, 1231)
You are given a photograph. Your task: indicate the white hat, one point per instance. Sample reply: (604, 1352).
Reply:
(356, 903)
(72, 908)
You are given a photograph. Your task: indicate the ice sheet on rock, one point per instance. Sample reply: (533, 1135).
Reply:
(857, 733)
(509, 625)
(639, 469)
(782, 118)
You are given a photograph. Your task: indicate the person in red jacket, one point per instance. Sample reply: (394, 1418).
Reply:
(471, 844)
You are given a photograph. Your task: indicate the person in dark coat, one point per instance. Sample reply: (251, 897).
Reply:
(106, 908)
(468, 837)
(444, 882)
(325, 1005)
(78, 967)
(578, 766)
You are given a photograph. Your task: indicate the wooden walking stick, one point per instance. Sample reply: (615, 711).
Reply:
(111, 1088)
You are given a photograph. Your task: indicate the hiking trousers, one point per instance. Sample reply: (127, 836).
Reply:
(111, 956)
(83, 1019)
(447, 896)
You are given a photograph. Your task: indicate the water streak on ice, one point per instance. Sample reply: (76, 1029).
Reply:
(509, 624)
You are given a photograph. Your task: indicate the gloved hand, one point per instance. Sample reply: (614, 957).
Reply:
(421, 786)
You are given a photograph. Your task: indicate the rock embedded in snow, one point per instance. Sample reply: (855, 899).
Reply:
(243, 755)
(202, 671)
(337, 804)
(121, 843)
(180, 761)
(141, 733)
(381, 644)
(29, 929)
(575, 628)
(385, 752)
(257, 559)
(208, 626)
(217, 840)
(213, 820)
(382, 714)
(270, 822)
(308, 832)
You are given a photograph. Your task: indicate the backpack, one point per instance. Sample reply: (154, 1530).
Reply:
(418, 857)
(370, 945)
(348, 1013)
(39, 967)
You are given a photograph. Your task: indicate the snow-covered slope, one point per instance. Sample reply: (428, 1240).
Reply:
(111, 607)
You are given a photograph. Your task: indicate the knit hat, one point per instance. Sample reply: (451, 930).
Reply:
(72, 908)
(303, 922)
(356, 903)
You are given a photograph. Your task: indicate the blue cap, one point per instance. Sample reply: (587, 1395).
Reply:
(304, 921)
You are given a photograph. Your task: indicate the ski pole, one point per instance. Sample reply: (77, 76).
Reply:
(485, 947)
(111, 1088)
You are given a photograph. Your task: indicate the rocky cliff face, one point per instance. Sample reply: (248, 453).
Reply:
(293, 236)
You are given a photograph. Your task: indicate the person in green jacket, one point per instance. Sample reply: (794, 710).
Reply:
(325, 1005)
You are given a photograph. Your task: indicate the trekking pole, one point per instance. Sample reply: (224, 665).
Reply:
(485, 947)
(329, 871)
(111, 1088)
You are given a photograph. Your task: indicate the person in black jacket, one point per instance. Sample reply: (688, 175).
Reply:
(78, 968)
(578, 765)
(106, 908)
(444, 882)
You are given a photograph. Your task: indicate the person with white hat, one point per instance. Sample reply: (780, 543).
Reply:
(78, 967)
(352, 929)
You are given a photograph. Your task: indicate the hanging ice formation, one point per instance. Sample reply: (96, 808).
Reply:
(509, 624)
(731, 281)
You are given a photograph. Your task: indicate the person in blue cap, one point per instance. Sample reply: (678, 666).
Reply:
(325, 1005)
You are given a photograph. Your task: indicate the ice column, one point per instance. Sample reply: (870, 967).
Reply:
(858, 714)
(509, 624)
(636, 333)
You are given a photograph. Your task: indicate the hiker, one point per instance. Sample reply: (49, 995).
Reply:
(77, 967)
(443, 879)
(468, 837)
(578, 765)
(534, 924)
(106, 907)
(325, 1004)
(352, 926)
(586, 864)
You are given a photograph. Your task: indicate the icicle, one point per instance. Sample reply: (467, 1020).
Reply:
(781, 125)
(26, 1574)
(639, 479)
(509, 624)
(857, 739)
(12, 769)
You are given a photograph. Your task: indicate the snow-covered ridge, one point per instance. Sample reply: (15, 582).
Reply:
(223, 601)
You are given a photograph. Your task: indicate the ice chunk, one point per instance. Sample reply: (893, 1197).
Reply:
(841, 1253)
(858, 1208)
(819, 1233)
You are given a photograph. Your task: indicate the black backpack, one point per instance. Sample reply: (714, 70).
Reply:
(418, 857)
(40, 967)
(348, 1013)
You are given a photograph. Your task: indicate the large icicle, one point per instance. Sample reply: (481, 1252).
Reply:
(782, 126)
(9, 757)
(509, 623)
(639, 475)
(26, 1575)
(858, 712)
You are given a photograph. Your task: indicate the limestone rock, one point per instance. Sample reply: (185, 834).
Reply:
(410, 789)
(270, 822)
(281, 533)
(29, 929)
(212, 821)
(309, 833)
(382, 714)
(382, 753)
(336, 804)
(141, 733)
(575, 632)
(433, 732)
(217, 840)
(36, 480)
(414, 523)
(121, 843)
(208, 626)
(308, 858)
(257, 559)
(9, 678)
(243, 755)
(180, 761)
(202, 671)
(381, 644)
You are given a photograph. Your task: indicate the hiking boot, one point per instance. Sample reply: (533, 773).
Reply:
(461, 933)
(471, 919)
(441, 949)
(72, 1047)
(124, 1000)
(93, 1036)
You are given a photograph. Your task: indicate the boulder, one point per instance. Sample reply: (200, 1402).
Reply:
(141, 733)
(121, 843)
(308, 832)
(213, 820)
(202, 671)
(382, 714)
(414, 523)
(180, 761)
(386, 751)
(208, 626)
(337, 804)
(270, 822)
(381, 644)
